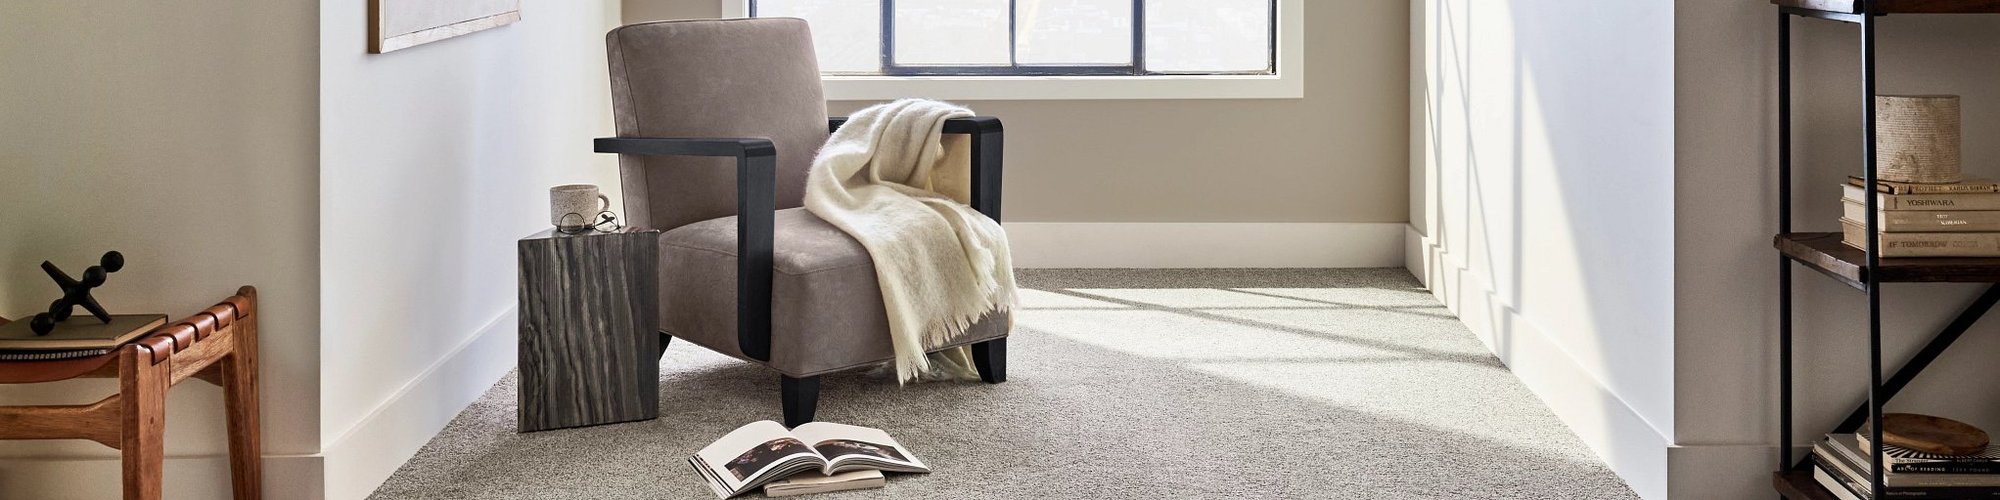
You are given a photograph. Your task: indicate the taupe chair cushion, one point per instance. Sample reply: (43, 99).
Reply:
(713, 78)
(826, 308)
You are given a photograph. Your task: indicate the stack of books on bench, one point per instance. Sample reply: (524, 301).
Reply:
(1841, 465)
(1960, 219)
(80, 337)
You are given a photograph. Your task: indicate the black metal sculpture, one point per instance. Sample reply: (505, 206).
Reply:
(76, 292)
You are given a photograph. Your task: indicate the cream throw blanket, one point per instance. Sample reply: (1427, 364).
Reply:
(892, 179)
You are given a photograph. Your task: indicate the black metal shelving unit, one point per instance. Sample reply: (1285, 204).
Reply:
(1864, 270)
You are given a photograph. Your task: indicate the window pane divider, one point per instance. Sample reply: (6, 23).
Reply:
(1139, 37)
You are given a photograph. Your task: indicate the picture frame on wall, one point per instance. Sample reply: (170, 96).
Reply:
(401, 24)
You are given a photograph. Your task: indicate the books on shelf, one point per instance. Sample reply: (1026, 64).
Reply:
(1938, 244)
(763, 452)
(1902, 459)
(1969, 185)
(1925, 220)
(1946, 201)
(1841, 465)
(1916, 221)
(1833, 484)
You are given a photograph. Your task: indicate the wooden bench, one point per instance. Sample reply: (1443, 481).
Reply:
(218, 345)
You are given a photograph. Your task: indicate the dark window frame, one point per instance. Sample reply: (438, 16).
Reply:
(1014, 68)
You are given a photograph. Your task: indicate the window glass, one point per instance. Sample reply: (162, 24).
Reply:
(952, 33)
(847, 34)
(1074, 32)
(1208, 36)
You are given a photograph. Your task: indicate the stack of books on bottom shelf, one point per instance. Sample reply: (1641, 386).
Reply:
(1960, 219)
(1841, 465)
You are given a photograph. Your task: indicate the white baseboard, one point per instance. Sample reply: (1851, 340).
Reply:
(1636, 451)
(1415, 256)
(1206, 244)
(360, 459)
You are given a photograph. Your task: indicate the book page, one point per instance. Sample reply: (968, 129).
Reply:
(744, 457)
(847, 446)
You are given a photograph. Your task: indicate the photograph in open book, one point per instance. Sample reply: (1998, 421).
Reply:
(846, 447)
(833, 449)
(765, 455)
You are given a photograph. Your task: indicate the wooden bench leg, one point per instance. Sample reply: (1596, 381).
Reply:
(239, 393)
(142, 389)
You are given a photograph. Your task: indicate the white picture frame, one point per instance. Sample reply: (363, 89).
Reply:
(400, 24)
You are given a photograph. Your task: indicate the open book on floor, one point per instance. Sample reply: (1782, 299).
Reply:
(764, 451)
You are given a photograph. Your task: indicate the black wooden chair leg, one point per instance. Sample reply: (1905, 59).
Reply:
(801, 398)
(990, 357)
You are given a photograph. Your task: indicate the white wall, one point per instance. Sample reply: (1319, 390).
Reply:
(1726, 273)
(1547, 208)
(181, 134)
(433, 161)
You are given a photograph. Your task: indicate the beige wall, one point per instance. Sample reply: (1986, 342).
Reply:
(1726, 272)
(179, 133)
(224, 142)
(1338, 155)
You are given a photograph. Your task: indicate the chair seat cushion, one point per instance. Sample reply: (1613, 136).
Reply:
(826, 308)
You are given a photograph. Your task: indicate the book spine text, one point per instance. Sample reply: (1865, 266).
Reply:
(1938, 244)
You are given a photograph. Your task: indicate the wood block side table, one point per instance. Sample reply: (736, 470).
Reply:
(589, 328)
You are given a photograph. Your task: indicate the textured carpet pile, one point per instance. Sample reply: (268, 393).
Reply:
(1122, 384)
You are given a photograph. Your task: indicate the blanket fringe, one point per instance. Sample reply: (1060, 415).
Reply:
(949, 365)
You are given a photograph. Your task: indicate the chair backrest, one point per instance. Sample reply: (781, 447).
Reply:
(713, 78)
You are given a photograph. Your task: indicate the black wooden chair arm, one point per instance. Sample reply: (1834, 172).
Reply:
(973, 125)
(687, 146)
(756, 185)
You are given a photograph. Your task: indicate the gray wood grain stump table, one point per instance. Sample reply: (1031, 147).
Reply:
(590, 343)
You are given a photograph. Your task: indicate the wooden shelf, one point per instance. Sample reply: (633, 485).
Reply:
(1825, 253)
(1897, 6)
(1798, 484)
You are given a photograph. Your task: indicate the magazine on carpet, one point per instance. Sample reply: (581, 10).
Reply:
(763, 452)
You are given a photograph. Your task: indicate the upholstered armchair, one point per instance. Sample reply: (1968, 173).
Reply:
(718, 122)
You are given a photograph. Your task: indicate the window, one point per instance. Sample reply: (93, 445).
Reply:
(1051, 49)
(1037, 37)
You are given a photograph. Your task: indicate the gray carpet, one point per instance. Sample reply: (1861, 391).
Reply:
(1123, 384)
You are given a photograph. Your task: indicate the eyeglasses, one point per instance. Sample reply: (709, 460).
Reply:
(606, 222)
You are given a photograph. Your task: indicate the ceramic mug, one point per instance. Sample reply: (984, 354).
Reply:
(573, 206)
